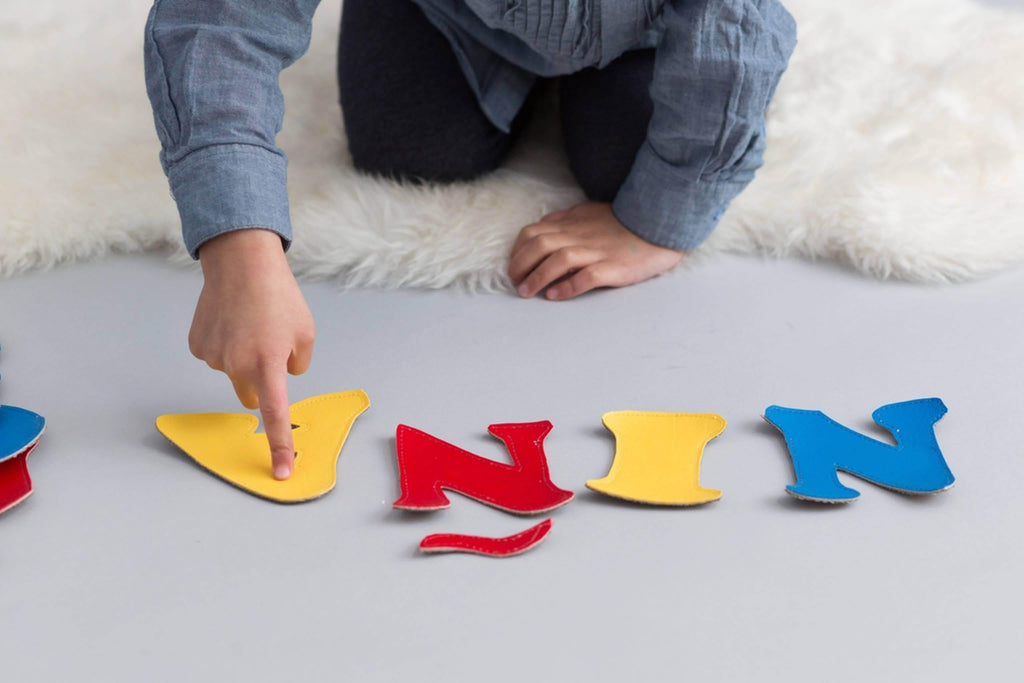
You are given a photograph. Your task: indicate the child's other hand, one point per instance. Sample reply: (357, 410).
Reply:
(253, 324)
(591, 246)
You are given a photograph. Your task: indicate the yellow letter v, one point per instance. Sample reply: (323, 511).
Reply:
(226, 444)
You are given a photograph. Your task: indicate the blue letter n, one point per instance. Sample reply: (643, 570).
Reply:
(819, 446)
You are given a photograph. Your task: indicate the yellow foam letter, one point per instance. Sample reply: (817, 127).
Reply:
(226, 444)
(657, 457)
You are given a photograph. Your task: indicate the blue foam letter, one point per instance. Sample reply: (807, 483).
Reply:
(19, 429)
(819, 446)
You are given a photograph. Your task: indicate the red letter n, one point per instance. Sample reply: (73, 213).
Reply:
(427, 464)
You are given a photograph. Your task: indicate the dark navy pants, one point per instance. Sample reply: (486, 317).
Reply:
(410, 114)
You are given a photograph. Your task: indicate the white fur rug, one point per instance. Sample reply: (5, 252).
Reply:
(896, 146)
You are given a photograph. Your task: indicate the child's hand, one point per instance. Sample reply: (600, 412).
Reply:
(588, 243)
(252, 323)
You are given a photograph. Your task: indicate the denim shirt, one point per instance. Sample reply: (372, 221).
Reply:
(212, 70)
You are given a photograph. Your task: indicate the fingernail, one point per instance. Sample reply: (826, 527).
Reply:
(522, 289)
(553, 293)
(282, 471)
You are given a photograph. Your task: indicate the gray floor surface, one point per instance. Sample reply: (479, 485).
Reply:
(130, 563)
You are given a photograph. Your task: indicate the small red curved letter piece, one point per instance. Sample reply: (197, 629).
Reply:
(482, 545)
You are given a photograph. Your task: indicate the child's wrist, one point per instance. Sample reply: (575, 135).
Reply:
(246, 250)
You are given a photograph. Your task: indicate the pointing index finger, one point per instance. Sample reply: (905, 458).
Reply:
(272, 386)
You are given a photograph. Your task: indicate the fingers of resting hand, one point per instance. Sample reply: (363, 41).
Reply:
(591, 277)
(558, 264)
(272, 386)
(530, 233)
(556, 215)
(534, 252)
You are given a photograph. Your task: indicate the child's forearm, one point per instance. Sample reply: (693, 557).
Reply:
(717, 67)
(212, 71)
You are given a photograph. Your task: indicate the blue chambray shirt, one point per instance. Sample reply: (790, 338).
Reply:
(212, 70)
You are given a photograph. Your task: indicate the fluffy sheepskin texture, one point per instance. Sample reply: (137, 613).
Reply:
(896, 146)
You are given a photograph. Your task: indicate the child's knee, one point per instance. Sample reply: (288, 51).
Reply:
(431, 154)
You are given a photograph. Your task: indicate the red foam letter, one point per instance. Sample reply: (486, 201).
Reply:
(15, 484)
(427, 464)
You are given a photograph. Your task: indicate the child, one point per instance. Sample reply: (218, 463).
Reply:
(662, 108)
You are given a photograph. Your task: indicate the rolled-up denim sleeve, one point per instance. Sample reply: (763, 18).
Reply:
(212, 69)
(716, 69)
